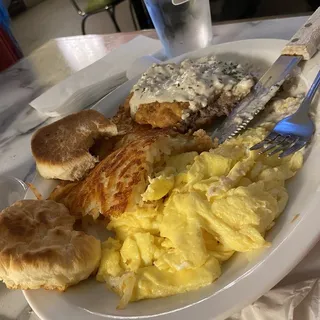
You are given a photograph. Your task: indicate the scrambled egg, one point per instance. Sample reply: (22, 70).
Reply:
(205, 207)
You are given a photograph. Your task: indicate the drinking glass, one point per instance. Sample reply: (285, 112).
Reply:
(11, 190)
(182, 25)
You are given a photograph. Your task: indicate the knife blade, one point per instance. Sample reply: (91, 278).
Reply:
(302, 46)
(263, 91)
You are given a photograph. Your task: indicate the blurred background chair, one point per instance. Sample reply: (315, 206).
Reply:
(97, 6)
(33, 21)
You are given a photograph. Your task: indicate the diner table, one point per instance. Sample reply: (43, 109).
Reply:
(58, 59)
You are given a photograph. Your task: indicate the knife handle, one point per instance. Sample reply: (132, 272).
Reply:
(306, 40)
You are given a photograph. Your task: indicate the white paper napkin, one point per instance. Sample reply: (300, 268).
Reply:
(299, 301)
(93, 82)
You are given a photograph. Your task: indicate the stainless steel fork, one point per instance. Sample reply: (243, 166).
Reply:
(291, 133)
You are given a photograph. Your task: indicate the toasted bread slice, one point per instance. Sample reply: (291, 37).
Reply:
(40, 249)
(115, 185)
(62, 149)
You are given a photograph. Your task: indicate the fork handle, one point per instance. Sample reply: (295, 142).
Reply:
(306, 40)
(306, 103)
(313, 89)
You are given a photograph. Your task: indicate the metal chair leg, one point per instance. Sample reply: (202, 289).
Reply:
(111, 11)
(74, 3)
(132, 15)
(83, 24)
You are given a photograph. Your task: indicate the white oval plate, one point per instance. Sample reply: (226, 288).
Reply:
(242, 281)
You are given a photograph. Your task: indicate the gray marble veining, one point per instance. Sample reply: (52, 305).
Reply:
(18, 86)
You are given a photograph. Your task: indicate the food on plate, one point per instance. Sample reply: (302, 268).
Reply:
(277, 109)
(188, 95)
(178, 205)
(40, 249)
(197, 210)
(124, 122)
(115, 185)
(62, 149)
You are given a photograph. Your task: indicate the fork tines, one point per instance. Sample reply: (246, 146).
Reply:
(276, 143)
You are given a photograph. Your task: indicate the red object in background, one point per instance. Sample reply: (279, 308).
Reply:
(9, 53)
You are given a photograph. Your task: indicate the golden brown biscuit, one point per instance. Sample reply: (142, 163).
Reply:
(40, 249)
(62, 149)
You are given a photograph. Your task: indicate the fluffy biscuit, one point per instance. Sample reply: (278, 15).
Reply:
(62, 149)
(40, 249)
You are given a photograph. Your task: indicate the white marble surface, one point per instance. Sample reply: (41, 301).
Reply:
(57, 60)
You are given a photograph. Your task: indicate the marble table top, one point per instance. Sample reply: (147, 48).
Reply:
(58, 59)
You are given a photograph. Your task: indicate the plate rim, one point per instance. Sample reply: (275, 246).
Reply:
(310, 238)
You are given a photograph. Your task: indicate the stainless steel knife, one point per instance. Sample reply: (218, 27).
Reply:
(302, 46)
